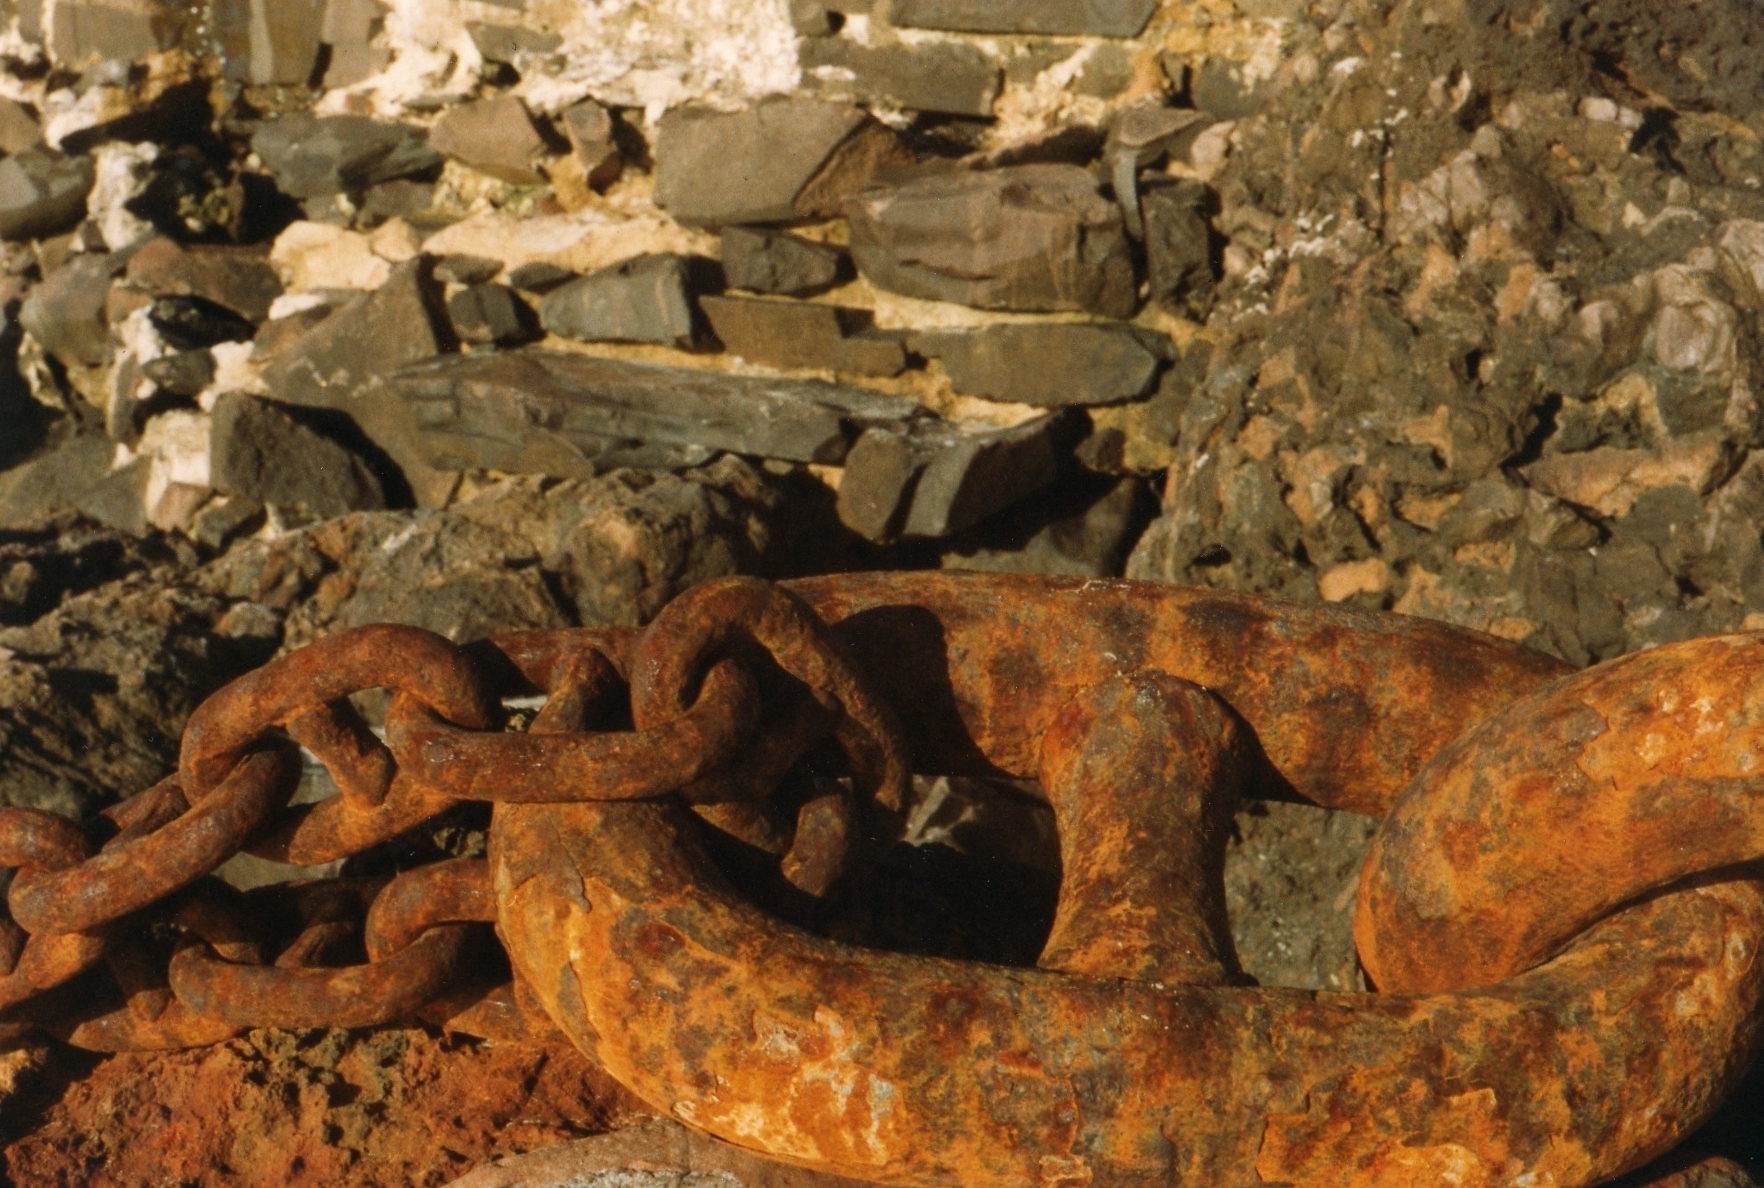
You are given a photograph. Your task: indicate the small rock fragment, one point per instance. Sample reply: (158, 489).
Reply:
(489, 314)
(548, 412)
(191, 323)
(1033, 238)
(237, 278)
(936, 479)
(42, 193)
(506, 43)
(461, 269)
(349, 29)
(1178, 246)
(539, 277)
(590, 128)
(494, 136)
(1081, 527)
(314, 156)
(183, 374)
(83, 31)
(19, 129)
(803, 334)
(780, 160)
(66, 312)
(259, 452)
(1141, 136)
(1068, 18)
(644, 299)
(269, 42)
(947, 77)
(1049, 364)
(223, 519)
(767, 261)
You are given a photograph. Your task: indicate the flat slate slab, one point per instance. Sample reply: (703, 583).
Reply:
(1076, 18)
(1051, 364)
(553, 412)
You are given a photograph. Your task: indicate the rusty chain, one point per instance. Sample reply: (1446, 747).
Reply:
(1559, 911)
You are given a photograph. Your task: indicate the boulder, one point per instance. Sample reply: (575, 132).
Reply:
(42, 193)
(643, 299)
(767, 261)
(803, 334)
(316, 156)
(494, 136)
(946, 77)
(933, 479)
(1033, 238)
(548, 412)
(1051, 364)
(781, 160)
(1064, 18)
(260, 452)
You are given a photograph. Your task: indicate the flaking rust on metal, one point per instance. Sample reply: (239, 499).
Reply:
(921, 1071)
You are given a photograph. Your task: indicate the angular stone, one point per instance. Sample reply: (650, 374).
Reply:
(66, 312)
(341, 364)
(803, 334)
(767, 261)
(269, 42)
(539, 277)
(461, 269)
(191, 323)
(644, 299)
(1079, 527)
(19, 129)
(1050, 364)
(236, 278)
(932, 479)
(183, 374)
(782, 159)
(349, 29)
(506, 43)
(592, 138)
(947, 77)
(1034, 238)
(1070, 18)
(1178, 246)
(260, 452)
(490, 314)
(82, 31)
(1141, 136)
(313, 156)
(570, 415)
(42, 193)
(494, 136)
(61, 478)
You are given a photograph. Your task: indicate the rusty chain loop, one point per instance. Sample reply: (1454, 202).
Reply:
(1567, 861)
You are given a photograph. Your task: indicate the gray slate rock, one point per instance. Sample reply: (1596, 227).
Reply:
(768, 261)
(61, 478)
(1178, 247)
(1141, 136)
(506, 43)
(342, 363)
(539, 277)
(236, 278)
(781, 160)
(19, 129)
(269, 42)
(1079, 18)
(643, 299)
(66, 313)
(349, 29)
(314, 156)
(933, 479)
(462, 269)
(949, 77)
(1051, 364)
(548, 412)
(42, 193)
(259, 452)
(803, 334)
(494, 136)
(490, 314)
(82, 31)
(593, 139)
(1079, 527)
(1033, 238)
(183, 374)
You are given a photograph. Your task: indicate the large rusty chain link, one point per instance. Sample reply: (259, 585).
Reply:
(1562, 910)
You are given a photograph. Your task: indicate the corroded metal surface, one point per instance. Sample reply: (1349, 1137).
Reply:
(1559, 909)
